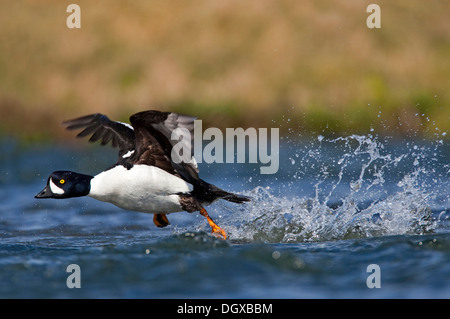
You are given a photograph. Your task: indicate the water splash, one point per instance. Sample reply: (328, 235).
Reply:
(362, 189)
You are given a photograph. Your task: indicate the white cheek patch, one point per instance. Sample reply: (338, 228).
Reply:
(128, 154)
(55, 189)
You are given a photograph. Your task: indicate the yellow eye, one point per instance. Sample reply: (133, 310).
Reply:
(62, 181)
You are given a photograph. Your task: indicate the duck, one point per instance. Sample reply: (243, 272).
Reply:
(146, 177)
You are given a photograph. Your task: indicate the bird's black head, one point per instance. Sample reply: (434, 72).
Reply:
(66, 184)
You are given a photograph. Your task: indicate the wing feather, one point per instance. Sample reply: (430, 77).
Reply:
(153, 131)
(100, 127)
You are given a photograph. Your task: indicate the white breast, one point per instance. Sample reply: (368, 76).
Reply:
(142, 188)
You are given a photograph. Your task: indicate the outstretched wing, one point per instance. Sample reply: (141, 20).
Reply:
(153, 130)
(120, 134)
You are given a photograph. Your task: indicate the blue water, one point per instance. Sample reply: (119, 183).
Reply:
(335, 207)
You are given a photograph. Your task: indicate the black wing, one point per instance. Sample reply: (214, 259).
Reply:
(153, 131)
(102, 128)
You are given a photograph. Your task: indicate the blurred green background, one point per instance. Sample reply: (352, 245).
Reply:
(304, 66)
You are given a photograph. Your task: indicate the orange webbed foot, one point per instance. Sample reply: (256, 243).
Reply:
(216, 230)
(160, 220)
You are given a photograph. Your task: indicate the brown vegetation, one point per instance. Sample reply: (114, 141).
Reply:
(248, 63)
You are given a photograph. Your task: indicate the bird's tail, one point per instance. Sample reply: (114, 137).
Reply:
(239, 199)
(209, 193)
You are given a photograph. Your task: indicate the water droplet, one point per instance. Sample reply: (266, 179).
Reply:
(298, 263)
(276, 254)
